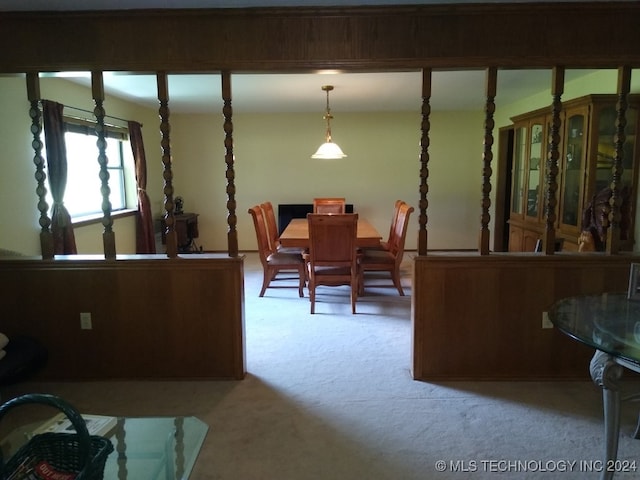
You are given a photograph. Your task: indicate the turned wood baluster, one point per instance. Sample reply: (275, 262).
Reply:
(178, 423)
(121, 449)
(487, 156)
(551, 175)
(613, 232)
(424, 161)
(33, 94)
(227, 111)
(165, 144)
(108, 237)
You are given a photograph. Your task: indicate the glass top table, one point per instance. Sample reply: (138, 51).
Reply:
(610, 323)
(145, 448)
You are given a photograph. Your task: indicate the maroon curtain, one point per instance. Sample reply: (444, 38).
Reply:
(145, 239)
(64, 241)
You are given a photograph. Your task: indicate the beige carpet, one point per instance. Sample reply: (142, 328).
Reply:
(330, 396)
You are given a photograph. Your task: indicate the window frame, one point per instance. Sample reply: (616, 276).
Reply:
(87, 127)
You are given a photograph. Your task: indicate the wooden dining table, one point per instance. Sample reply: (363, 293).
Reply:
(296, 234)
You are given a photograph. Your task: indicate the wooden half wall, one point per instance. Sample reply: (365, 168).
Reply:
(480, 317)
(152, 317)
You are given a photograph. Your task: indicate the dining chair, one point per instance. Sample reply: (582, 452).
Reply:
(272, 231)
(274, 262)
(329, 205)
(396, 210)
(388, 260)
(332, 257)
(384, 244)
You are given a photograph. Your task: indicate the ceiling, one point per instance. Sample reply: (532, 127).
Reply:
(353, 92)
(379, 91)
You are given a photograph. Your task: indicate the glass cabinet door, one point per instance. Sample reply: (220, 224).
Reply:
(573, 170)
(518, 170)
(606, 148)
(534, 170)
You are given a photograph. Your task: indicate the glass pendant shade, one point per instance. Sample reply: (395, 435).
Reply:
(328, 150)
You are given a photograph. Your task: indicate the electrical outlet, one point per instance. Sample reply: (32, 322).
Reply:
(85, 321)
(546, 323)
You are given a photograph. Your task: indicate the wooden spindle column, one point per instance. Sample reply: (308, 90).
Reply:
(108, 237)
(551, 176)
(33, 94)
(613, 232)
(424, 161)
(165, 144)
(227, 111)
(487, 158)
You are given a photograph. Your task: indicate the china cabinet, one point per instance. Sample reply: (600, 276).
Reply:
(584, 167)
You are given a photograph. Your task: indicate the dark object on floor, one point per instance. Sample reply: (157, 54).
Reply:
(25, 356)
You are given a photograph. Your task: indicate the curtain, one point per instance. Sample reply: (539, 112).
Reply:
(64, 242)
(145, 239)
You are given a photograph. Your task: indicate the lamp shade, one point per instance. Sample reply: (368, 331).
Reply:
(329, 151)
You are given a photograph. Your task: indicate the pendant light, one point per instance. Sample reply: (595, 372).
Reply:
(328, 150)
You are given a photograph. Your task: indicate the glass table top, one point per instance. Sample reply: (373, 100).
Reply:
(609, 322)
(145, 448)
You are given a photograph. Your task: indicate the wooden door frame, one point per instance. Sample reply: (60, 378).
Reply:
(503, 189)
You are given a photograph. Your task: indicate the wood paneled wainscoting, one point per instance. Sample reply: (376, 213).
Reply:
(480, 317)
(153, 317)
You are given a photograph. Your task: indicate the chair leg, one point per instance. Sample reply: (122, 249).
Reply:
(354, 294)
(266, 279)
(395, 276)
(303, 277)
(312, 297)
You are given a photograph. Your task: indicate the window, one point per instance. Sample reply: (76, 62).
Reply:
(83, 197)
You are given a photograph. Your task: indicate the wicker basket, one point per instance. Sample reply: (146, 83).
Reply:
(79, 454)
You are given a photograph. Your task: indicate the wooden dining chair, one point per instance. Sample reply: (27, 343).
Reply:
(272, 231)
(396, 211)
(332, 257)
(388, 260)
(329, 205)
(384, 244)
(274, 262)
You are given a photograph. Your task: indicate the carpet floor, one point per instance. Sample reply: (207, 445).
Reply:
(330, 396)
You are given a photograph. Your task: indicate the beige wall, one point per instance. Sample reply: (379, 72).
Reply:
(19, 222)
(272, 163)
(19, 214)
(272, 159)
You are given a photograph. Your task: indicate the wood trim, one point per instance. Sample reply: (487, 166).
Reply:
(153, 317)
(229, 160)
(487, 158)
(259, 39)
(425, 128)
(480, 317)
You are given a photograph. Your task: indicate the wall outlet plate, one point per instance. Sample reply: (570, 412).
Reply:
(85, 321)
(546, 323)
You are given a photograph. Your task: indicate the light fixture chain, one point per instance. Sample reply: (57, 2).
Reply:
(328, 150)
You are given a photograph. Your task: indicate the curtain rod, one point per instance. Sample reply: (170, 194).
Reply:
(91, 112)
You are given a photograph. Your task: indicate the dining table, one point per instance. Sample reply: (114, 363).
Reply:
(296, 234)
